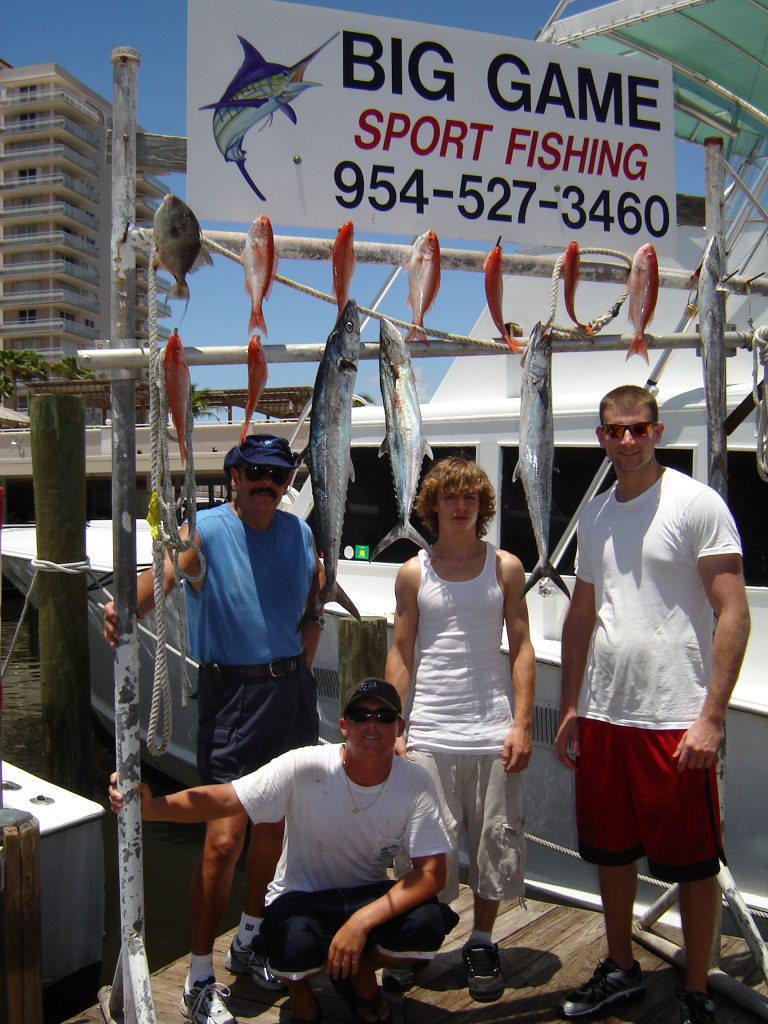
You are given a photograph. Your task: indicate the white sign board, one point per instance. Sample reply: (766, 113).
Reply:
(315, 117)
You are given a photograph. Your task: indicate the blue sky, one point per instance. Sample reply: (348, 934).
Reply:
(80, 37)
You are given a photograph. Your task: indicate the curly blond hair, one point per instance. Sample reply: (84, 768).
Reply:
(455, 474)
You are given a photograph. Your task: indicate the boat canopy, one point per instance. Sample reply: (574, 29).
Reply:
(718, 50)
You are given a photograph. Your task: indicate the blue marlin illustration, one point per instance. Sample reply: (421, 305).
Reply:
(254, 94)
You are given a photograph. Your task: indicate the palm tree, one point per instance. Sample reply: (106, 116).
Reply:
(68, 369)
(200, 400)
(20, 364)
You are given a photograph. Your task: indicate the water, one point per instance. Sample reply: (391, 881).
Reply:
(170, 852)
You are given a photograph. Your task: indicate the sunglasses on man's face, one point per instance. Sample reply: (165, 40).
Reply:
(278, 474)
(384, 715)
(617, 430)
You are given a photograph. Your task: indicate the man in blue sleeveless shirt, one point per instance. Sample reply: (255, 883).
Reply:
(256, 695)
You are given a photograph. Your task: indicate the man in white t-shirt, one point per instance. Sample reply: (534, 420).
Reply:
(645, 685)
(348, 808)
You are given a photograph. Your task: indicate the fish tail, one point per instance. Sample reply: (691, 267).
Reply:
(251, 183)
(638, 347)
(182, 447)
(513, 344)
(336, 593)
(180, 291)
(257, 320)
(545, 570)
(244, 431)
(400, 532)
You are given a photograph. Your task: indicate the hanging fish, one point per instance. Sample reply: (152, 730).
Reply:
(571, 268)
(343, 263)
(643, 293)
(259, 264)
(176, 375)
(494, 294)
(178, 242)
(423, 281)
(257, 379)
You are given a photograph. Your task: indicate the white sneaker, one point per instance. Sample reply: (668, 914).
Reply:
(253, 960)
(202, 1004)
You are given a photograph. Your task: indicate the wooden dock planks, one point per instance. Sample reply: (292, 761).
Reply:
(545, 951)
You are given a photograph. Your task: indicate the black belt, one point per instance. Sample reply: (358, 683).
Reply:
(273, 669)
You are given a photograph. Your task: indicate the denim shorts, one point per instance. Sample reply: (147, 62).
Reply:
(299, 927)
(244, 725)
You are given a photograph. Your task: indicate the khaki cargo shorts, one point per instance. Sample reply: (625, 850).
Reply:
(482, 803)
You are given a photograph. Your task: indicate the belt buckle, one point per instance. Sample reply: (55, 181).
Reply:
(273, 674)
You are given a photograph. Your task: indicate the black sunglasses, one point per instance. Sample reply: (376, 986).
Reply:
(278, 474)
(384, 715)
(617, 430)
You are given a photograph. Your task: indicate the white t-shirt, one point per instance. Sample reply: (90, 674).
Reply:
(461, 699)
(326, 844)
(651, 650)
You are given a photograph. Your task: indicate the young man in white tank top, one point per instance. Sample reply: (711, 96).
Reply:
(455, 601)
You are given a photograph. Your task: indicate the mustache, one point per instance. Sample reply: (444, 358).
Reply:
(270, 492)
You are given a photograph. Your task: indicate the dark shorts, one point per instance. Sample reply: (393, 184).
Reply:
(299, 926)
(243, 725)
(631, 802)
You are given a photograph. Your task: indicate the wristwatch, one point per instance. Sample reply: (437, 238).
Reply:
(318, 620)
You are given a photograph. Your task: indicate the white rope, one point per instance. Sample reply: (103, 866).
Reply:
(405, 324)
(40, 565)
(163, 516)
(589, 330)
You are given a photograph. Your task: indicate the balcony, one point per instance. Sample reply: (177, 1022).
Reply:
(56, 153)
(58, 325)
(52, 268)
(44, 182)
(44, 296)
(48, 240)
(16, 127)
(48, 98)
(55, 211)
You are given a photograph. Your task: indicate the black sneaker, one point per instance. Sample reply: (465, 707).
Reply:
(484, 979)
(402, 979)
(695, 1007)
(609, 984)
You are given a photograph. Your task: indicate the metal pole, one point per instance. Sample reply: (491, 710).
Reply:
(137, 1006)
(712, 316)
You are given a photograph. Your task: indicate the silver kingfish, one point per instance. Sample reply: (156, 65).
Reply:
(537, 447)
(330, 456)
(404, 440)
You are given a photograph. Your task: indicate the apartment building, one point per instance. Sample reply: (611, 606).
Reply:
(55, 215)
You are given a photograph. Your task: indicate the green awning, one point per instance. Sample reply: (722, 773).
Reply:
(718, 50)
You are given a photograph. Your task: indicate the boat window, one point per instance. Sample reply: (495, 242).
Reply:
(371, 507)
(746, 499)
(574, 470)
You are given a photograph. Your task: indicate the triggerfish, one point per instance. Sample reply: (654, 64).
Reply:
(259, 264)
(258, 89)
(404, 441)
(176, 376)
(423, 281)
(494, 294)
(257, 379)
(643, 293)
(343, 263)
(178, 243)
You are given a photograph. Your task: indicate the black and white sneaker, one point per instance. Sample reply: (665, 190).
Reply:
(695, 1007)
(608, 985)
(253, 960)
(203, 1003)
(484, 979)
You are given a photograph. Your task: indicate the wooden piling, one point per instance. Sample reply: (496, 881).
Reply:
(57, 429)
(21, 991)
(362, 652)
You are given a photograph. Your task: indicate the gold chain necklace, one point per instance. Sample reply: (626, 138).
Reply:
(382, 786)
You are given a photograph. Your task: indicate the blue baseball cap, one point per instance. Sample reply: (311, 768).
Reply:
(258, 449)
